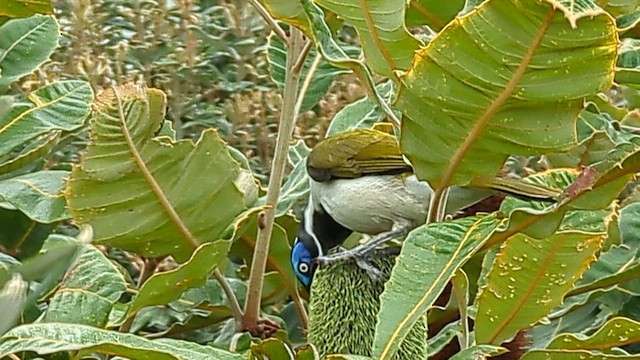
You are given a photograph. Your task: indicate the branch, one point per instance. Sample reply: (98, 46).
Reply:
(234, 305)
(149, 268)
(266, 218)
(270, 21)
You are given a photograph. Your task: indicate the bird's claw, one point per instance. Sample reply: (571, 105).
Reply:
(361, 258)
(372, 271)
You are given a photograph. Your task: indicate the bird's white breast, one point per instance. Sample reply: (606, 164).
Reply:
(373, 204)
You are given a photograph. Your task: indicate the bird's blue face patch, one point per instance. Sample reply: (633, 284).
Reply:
(302, 263)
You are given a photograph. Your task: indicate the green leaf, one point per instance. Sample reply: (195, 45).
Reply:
(35, 153)
(53, 338)
(573, 355)
(21, 236)
(288, 11)
(272, 349)
(322, 76)
(278, 259)
(529, 278)
(386, 43)
(296, 187)
(430, 256)
(307, 352)
(362, 113)
(616, 332)
(88, 291)
(479, 352)
(596, 138)
(485, 77)
(179, 194)
(434, 13)
(334, 54)
(38, 195)
(58, 253)
(164, 287)
(62, 105)
(612, 269)
(24, 45)
(25, 8)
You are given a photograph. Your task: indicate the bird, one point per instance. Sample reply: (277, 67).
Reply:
(361, 182)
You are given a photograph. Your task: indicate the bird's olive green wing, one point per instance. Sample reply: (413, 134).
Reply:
(356, 153)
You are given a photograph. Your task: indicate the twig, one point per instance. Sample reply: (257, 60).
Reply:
(270, 21)
(287, 122)
(307, 80)
(302, 312)
(234, 305)
(297, 67)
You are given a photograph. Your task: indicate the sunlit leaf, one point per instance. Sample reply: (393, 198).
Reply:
(179, 194)
(430, 256)
(486, 76)
(529, 278)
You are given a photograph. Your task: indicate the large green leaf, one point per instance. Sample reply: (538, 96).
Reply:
(24, 8)
(386, 43)
(62, 105)
(38, 195)
(430, 256)
(504, 67)
(164, 287)
(24, 45)
(179, 194)
(88, 291)
(53, 338)
(529, 278)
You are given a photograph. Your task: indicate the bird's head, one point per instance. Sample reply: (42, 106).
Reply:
(318, 233)
(302, 261)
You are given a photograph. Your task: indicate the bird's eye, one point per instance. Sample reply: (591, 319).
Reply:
(303, 268)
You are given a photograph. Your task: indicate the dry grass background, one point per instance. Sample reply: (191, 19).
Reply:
(207, 55)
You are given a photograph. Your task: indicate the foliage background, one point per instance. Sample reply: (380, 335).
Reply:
(210, 59)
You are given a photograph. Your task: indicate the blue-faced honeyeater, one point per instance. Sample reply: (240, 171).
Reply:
(361, 182)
